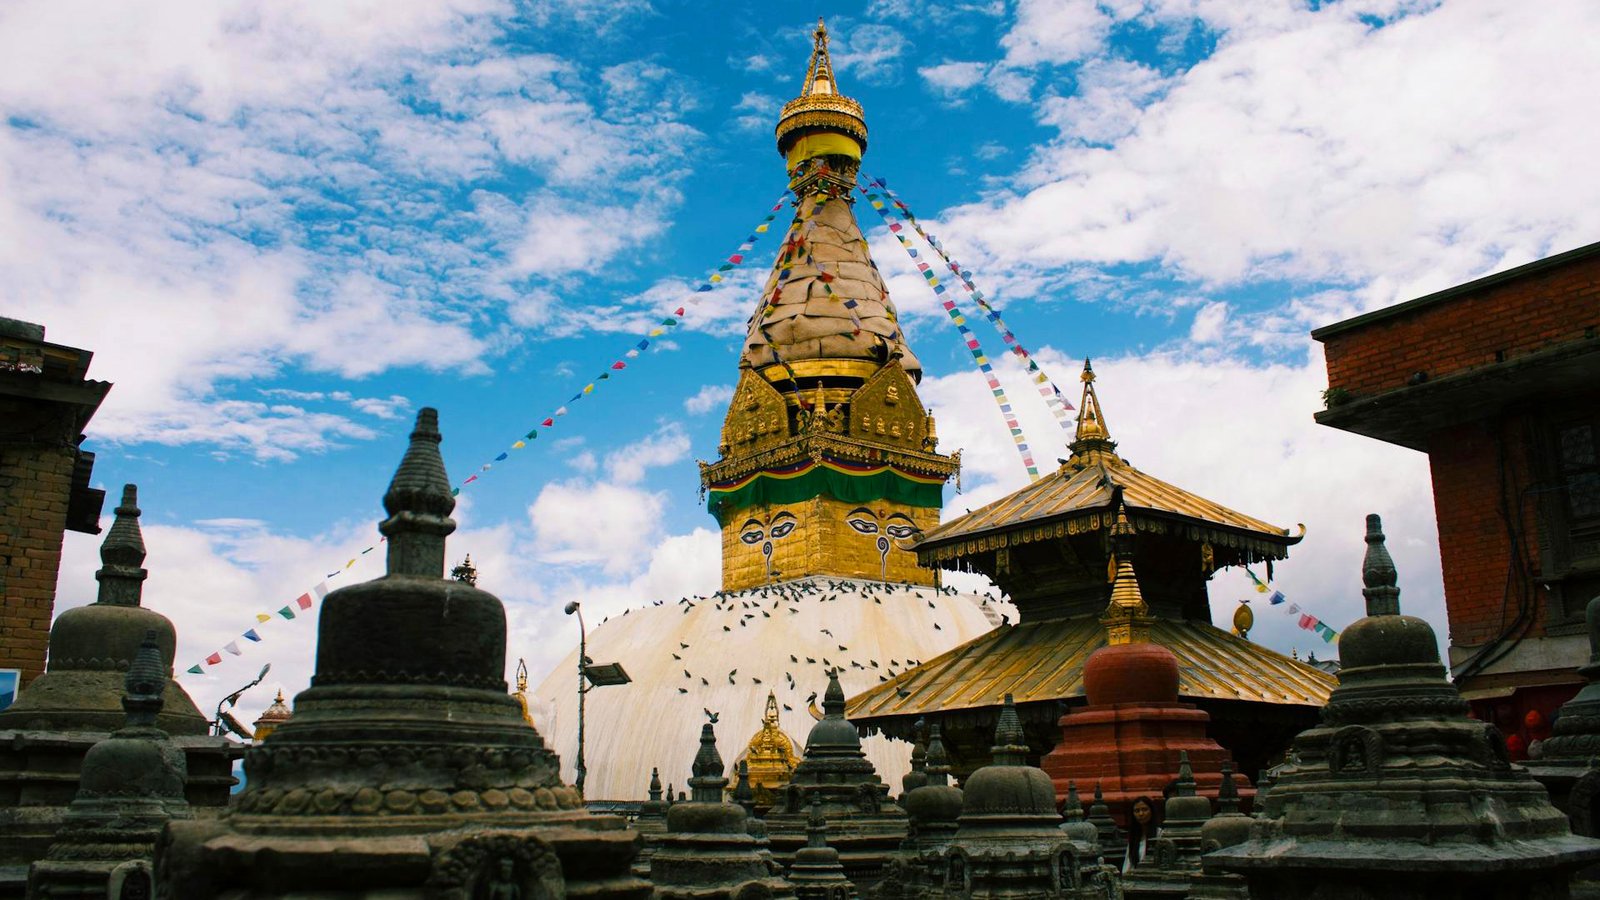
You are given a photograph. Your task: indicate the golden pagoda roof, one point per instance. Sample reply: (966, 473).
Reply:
(1079, 496)
(276, 714)
(1036, 661)
(770, 752)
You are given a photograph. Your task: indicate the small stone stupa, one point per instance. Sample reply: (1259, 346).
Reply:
(652, 823)
(132, 785)
(1173, 859)
(917, 868)
(1008, 842)
(1113, 842)
(78, 701)
(407, 770)
(1133, 729)
(1225, 829)
(865, 826)
(1397, 794)
(816, 872)
(708, 852)
(1566, 763)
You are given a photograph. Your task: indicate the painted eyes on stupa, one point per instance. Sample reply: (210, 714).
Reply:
(782, 529)
(901, 532)
(865, 526)
(753, 537)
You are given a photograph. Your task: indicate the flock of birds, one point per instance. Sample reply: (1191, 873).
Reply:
(785, 599)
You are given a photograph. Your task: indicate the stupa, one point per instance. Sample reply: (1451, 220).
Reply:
(1173, 859)
(828, 466)
(132, 785)
(1008, 841)
(651, 823)
(1113, 842)
(77, 703)
(708, 852)
(865, 826)
(407, 770)
(1397, 794)
(771, 757)
(1133, 730)
(816, 872)
(275, 714)
(1228, 827)
(1567, 761)
(1047, 546)
(932, 809)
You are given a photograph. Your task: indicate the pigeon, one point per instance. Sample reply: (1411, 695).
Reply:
(843, 647)
(812, 698)
(877, 601)
(937, 627)
(710, 715)
(677, 657)
(686, 674)
(683, 690)
(882, 678)
(827, 632)
(756, 680)
(902, 693)
(726, 628)
(704, 681)
(810, 660)
(765, 614)
(682, 646)
(788, 708)
(792, 658)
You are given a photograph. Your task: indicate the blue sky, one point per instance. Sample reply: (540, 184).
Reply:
(284, 227)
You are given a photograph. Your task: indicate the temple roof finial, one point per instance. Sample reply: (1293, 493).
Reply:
(122, 573)
(708, 781)
(1378, 573)
(1092, 434)
(419, 504)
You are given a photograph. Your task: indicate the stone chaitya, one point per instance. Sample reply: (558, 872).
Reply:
(816, 872)
(708, 852)
(78, 700)
(131, 786)
(651, 823)
(1228, 827)
(1565, 764)
(1008, 840)
(1113, 842)
(864, 825)
(407, 769)
(917, 867)
(1397, 794)
(1173, 858)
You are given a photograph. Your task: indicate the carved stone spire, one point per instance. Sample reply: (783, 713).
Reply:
(938, 758)
(1010, 746)
(708, 781)
(122, 573)
(419, 504)
(1378, 573)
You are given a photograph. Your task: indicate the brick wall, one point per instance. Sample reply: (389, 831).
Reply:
(35, 483)
(1474, 545)
(1528, 313)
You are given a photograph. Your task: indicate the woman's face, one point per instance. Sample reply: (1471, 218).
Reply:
(1141, 812)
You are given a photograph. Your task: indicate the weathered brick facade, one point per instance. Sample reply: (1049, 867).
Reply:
(45, 403)
(1498, 381)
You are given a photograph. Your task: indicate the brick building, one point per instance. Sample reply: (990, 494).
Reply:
(45, 403)
(1498, 381)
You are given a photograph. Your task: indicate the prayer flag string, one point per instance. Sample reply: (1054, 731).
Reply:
(1305, 619)
(1059, 406)
(304, 602)
(968, 338)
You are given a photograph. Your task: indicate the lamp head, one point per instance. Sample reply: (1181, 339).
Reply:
(572, 607)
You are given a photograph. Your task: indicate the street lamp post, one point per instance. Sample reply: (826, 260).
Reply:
(590, 676)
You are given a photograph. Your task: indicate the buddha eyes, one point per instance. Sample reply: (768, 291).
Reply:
(781, 529)
(753, 536)
(865, 526)
(901, 532)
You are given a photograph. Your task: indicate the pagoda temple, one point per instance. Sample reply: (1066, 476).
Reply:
(770, 756)
(1049, 547)
(828, 467)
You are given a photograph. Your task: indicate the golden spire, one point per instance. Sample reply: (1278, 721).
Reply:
(1127, 617)
(1092, 436)
(821, 122)
(522, 691)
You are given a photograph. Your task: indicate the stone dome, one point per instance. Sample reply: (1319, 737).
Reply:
(104, 637)
(1009, 791)
(1388, 640)
(933, 803)
(1131, 673)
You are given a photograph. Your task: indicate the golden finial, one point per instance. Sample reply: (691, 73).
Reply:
(465, 572)
(1092, 436)
(522, 691)
(1127, 617)
(821, 122)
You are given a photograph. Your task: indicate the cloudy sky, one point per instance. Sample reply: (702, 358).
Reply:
(283, 227)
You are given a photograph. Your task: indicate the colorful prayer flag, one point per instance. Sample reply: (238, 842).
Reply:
(232, 647)
(214, 659)
(304, 600)
(195, 670)
(286, 612)
(1277, 598)
(251, 635)
(263, 617)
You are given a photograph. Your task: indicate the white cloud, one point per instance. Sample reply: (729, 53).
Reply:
(628, 464)
(1055, 31)
(868, 52)
(1209, 323)
(711, 397)
(953, 78)
(756, 111)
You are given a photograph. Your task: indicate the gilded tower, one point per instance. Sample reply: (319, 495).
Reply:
(827, 459)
